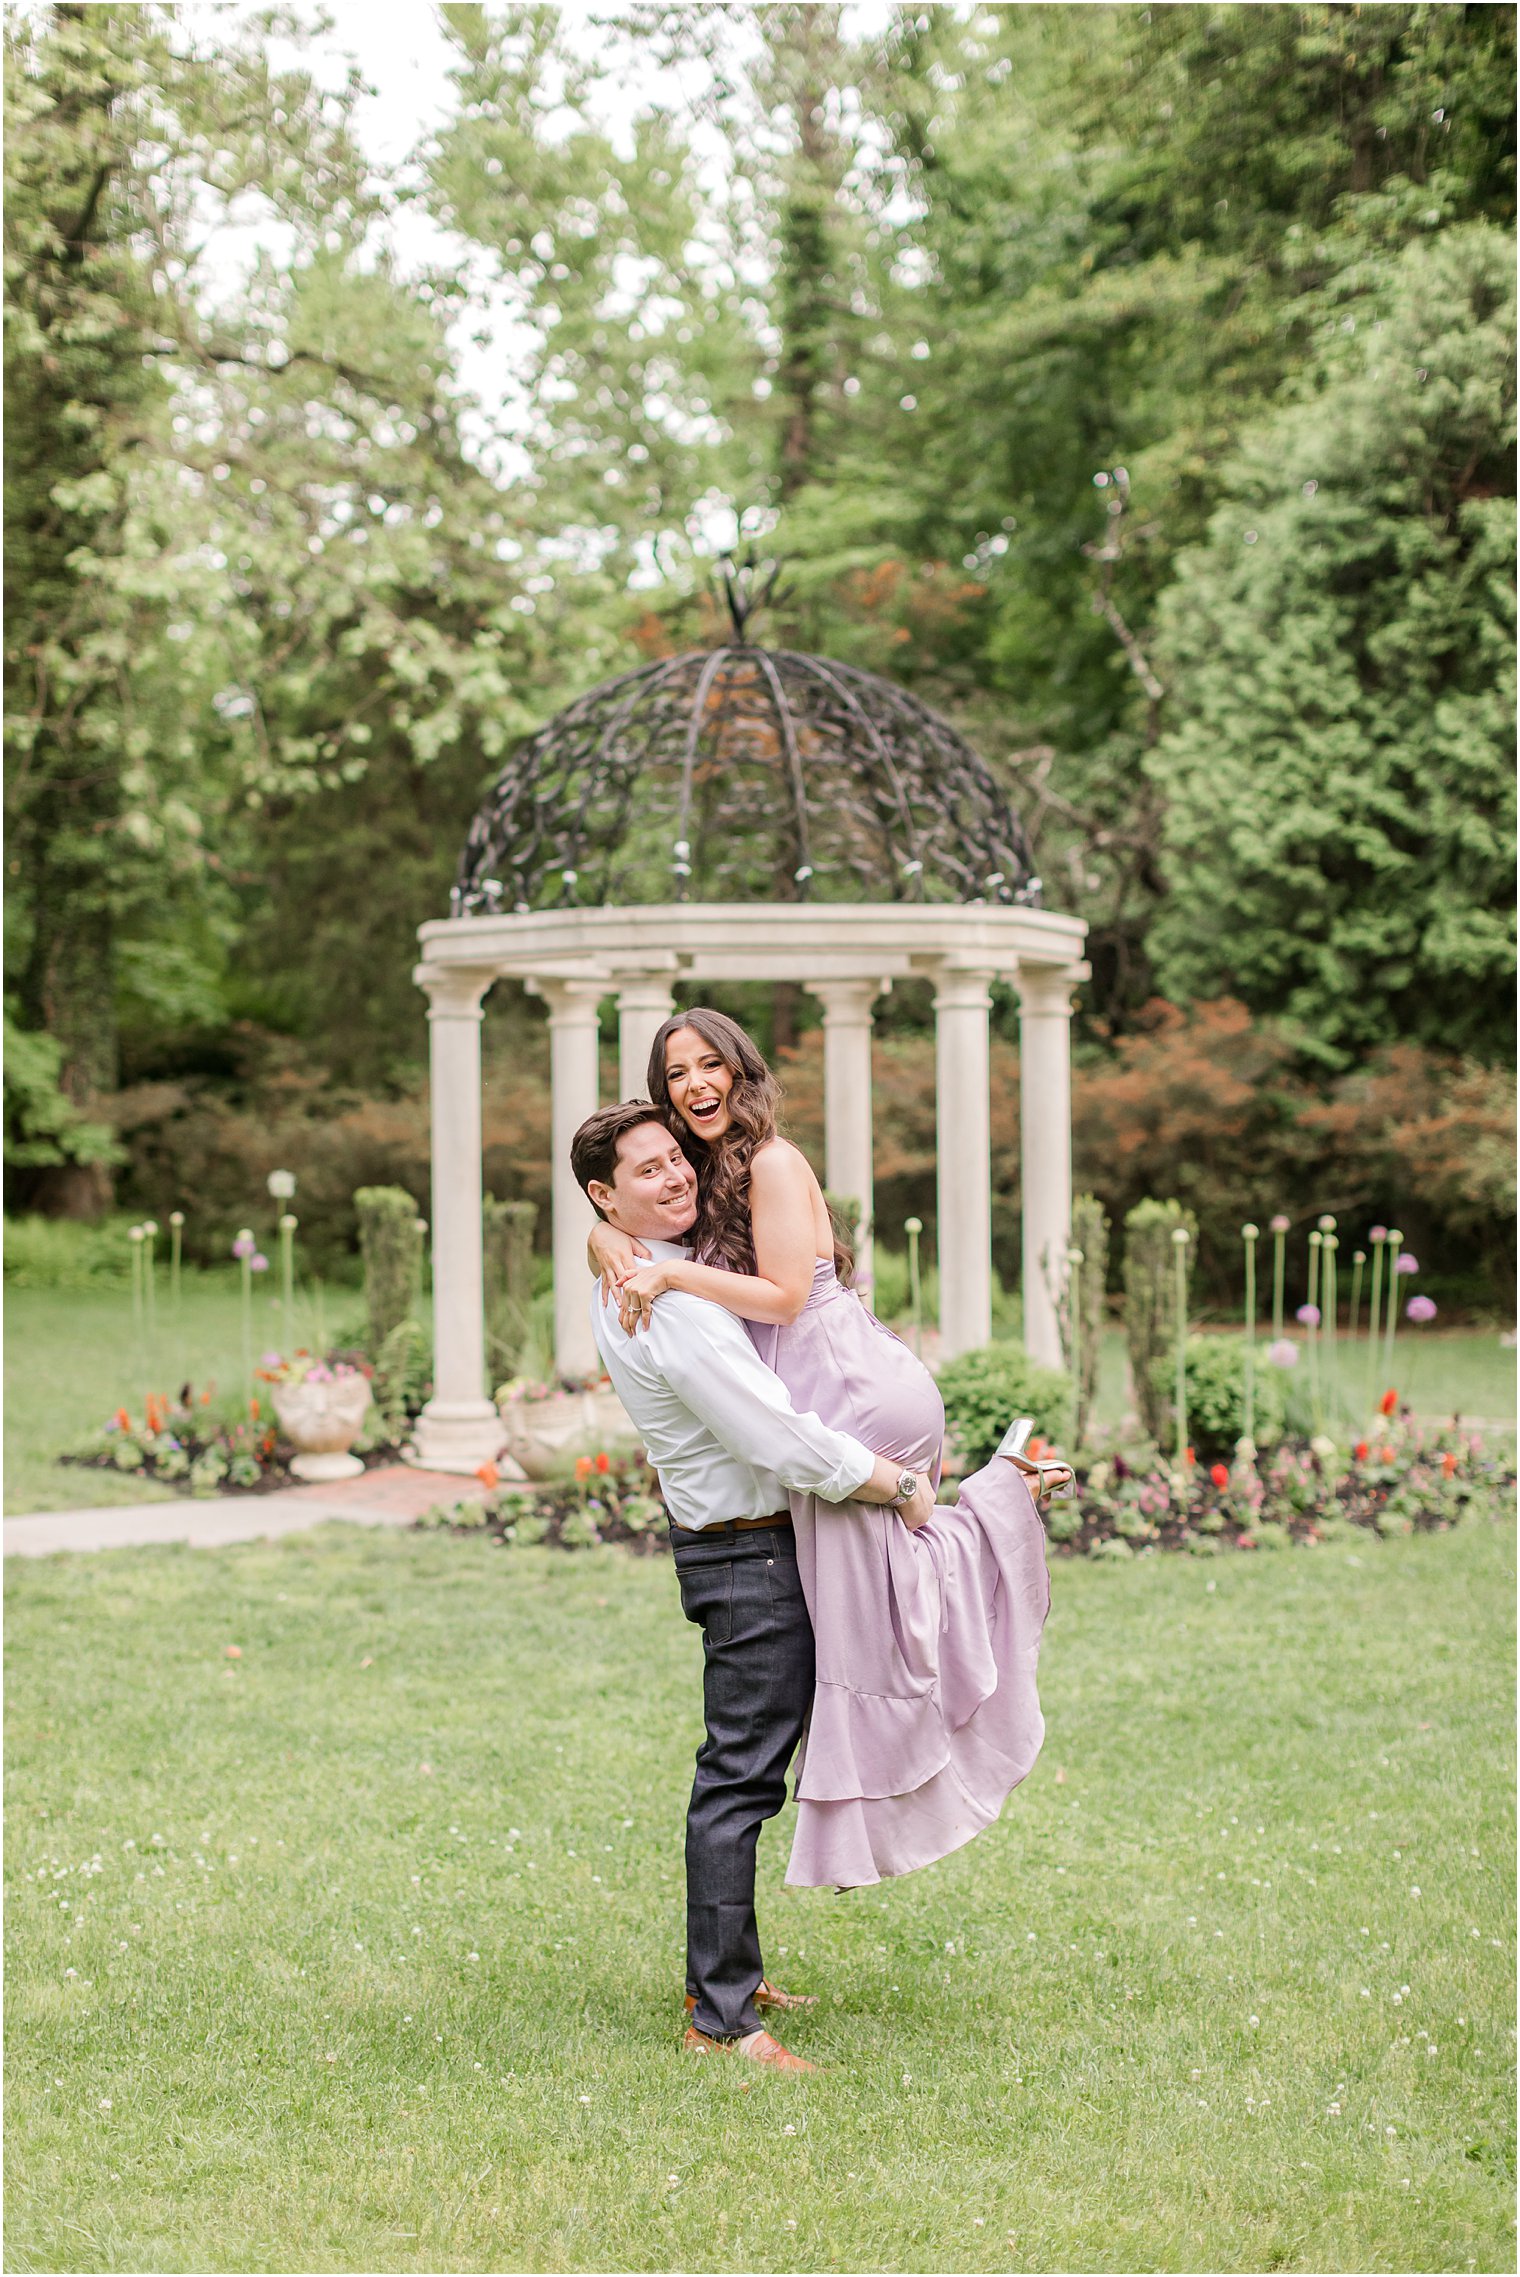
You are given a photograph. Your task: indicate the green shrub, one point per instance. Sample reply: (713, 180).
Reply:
(507, 1244)
(1216, 1396)
(67, 1253)
(1150, 1283)
(984, 1390)
(1086, 1282)
(392, 1246)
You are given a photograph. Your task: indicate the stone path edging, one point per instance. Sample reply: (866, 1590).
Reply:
(392, 1496)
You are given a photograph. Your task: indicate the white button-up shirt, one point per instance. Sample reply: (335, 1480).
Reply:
(717, 1424)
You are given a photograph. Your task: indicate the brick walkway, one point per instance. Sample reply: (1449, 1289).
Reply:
(392, 1496)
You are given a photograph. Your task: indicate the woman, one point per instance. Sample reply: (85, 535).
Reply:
(926, 1713)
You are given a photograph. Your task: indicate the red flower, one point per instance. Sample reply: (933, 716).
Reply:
(1448, 1463)
(1219, 1474)
(604, 1464)
(1360, 1450)
(1388, 1404)
(1188, 1456)
(583, 1466)
(1385, 1454)
(488, 1475)
(1035, 1449)
(253, 1409)
(122, 1420)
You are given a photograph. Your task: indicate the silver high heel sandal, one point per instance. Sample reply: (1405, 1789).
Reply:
(1048, 1478)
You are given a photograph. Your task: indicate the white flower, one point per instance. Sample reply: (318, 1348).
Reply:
(105, 2103)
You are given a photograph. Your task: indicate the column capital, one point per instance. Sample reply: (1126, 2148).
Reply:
(847, 1003)
(646, 988)
(1049, 988)
(571, 1001)
(963, 989)
(455, 992)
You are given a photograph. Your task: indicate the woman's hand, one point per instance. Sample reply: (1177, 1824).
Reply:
(636, 1294)
(613, 1255)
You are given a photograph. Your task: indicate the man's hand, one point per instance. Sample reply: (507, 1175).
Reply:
(613, 1255)
(881, 1487)
(921, 1509)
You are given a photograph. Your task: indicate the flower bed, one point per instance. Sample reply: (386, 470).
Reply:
(200, 1447)
(611, 1498)
(1402, 1481)
(1300, 1493)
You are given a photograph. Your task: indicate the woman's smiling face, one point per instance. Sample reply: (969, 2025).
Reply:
(699, 1080)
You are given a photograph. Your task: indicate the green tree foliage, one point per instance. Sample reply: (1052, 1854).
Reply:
(1338, 772)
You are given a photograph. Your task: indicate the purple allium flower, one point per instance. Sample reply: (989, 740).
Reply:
(1279, 1224)
(1378, 1233)
(1282, 1354)
(1309, 1315)
(1406, 1263)
(243, 1246)
(258, 1262)
(1420, 1308)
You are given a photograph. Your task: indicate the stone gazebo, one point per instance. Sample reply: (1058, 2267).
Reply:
(746, 814)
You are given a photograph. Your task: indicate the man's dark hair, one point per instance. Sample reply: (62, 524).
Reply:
(594, 1148)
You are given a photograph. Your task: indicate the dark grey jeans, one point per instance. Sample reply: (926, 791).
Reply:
(743, 1592)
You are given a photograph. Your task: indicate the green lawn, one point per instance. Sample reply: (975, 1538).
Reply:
(362, 1950)
(71, 1358)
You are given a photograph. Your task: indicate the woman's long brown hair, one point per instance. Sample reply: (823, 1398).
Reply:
(723, 1234)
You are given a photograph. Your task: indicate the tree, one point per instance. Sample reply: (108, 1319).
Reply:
(1338, 768)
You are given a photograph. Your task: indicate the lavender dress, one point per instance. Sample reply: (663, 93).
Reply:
(926, 1714)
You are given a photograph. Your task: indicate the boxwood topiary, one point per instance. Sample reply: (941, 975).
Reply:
(1216, 1395)
(984, 1390)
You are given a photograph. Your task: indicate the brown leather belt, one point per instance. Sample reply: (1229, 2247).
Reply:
(731, 1525)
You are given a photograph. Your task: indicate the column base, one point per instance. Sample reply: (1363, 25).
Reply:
(458, 1436)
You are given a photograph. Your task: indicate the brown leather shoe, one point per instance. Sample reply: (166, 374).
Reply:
(770, 1996)
(755, 2047)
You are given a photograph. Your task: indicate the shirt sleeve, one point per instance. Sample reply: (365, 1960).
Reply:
(706, 1357)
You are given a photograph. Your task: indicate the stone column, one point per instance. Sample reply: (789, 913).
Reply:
(573, 1037)
(964, 1152)
(1045, 1000)
(459, 1428)
(847, 1103)
(644, 1004)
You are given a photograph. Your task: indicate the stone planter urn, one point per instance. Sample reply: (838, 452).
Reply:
(322, 1418)
(542, 1432)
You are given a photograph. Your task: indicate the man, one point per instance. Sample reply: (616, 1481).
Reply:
(721, 1431)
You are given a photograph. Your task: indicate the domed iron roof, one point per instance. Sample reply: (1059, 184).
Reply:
(744, 773)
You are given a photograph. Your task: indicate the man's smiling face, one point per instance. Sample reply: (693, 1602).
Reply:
(653, 1194)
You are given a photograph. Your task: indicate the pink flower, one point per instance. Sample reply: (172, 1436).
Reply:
(1378, 1233)
(1309, 1315)
(1278, 1224)
(1282, 1354)
(1405, 1263)
(1420, 1308)
(258, 1262)
(243, 1246)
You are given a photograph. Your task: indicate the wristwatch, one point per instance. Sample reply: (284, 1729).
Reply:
(907, 1487)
